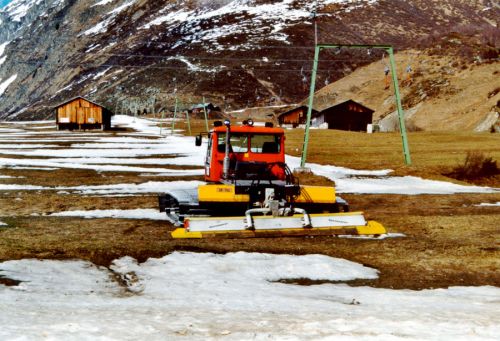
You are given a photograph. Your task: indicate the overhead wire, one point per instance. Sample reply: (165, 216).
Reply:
(193, 57)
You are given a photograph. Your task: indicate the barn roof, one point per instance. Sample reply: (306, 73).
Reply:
(349, 101)
(80, 97)
(295, 108)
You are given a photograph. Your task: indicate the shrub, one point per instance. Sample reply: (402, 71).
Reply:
(476, 165)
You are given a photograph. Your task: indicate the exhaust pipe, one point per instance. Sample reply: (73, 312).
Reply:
(225, 165)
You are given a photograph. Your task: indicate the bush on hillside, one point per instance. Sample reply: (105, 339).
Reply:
(476, 166)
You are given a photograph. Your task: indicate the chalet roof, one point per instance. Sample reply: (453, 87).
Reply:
(80, 97)
(348, 101)
(295, 108)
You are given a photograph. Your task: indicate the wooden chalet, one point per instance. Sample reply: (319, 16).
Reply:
(295, 117)
(81, 113)
(348, 115)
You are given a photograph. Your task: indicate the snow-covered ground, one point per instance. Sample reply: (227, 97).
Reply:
(235, 297)
(139, 213)
(115, 189)
(489, 204)
(102, 152)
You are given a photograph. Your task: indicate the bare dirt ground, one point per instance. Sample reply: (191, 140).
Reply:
(449, 240)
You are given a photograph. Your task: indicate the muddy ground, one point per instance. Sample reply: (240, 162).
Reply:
(449, 241)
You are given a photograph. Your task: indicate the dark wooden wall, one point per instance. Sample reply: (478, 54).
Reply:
(348, 116)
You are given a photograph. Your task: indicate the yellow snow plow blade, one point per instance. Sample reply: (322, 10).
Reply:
(269, 226)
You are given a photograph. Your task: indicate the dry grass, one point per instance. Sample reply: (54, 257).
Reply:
(433, 154)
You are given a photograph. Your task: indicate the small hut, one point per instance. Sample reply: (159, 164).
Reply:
(197, 108)
(81, 113)
(213, 111)
(295, 117)
(348, 115)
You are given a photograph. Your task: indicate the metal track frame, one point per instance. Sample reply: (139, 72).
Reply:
(389, 49)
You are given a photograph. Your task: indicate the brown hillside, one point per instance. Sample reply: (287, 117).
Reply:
(445, 92)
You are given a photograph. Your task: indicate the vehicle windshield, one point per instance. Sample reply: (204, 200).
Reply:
(265, 143)
(239, 143)
(259, 143)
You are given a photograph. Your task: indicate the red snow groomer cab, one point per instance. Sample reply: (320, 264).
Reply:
(248, 152)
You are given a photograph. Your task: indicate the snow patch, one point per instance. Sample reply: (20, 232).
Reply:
(102, 25)
(194, 67)
(150, 187)
(485, 204)
(122, 7)
(8, 177)
(139, 213)
(378, 182)
(254, 19)
(79, 300)
(100, 74)
(49, 165)
(6, 83)
(102, 3)
(2, 47)
(368, 237)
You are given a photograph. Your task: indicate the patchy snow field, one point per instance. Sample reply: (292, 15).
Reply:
(131, 151)
(206, 296)
(235, 297)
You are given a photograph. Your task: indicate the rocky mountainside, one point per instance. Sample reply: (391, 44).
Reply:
(139, 54)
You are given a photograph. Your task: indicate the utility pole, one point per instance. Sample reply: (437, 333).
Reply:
(401, 115)
(188, 123)
(153, 103)
(205, 112)
(309, 107)
(315, 27)
(175, 114)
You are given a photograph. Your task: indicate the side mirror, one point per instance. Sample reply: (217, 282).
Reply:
(197, 141)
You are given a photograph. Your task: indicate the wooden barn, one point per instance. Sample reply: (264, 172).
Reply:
(348, 115)
(295, 117)
(81, 113)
